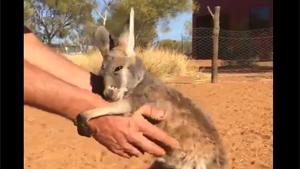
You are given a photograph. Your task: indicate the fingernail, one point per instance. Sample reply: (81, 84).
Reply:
(163, 153)
(138, 154)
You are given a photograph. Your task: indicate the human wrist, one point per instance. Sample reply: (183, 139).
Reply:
(83, 117)
(87, 101)
(90, 127)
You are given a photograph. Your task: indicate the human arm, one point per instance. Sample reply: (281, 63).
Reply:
(45, 91)
(40, 55)
(125, 136)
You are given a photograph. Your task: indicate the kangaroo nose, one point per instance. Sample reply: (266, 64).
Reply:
(108, 93)
(111, 94)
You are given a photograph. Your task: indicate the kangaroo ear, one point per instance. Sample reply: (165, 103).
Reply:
(126, 39)
(103, 40)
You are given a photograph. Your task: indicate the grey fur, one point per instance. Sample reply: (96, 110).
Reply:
(102, 40)
(200, 144)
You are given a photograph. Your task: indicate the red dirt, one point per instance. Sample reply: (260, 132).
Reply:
(240, 105)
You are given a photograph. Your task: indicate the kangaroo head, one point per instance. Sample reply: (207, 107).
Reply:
(121, 70)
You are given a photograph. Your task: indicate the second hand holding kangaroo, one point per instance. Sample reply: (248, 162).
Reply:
(129, 86)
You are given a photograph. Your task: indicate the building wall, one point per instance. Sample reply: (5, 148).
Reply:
(234, 15)
(236, 11)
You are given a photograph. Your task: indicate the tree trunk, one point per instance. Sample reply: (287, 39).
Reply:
(215, 38)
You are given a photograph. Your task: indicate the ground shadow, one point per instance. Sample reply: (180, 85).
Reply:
(238, 69)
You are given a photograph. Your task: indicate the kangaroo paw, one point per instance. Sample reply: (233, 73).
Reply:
(152, 113)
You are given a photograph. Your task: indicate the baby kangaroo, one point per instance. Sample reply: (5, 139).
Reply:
(126, 81)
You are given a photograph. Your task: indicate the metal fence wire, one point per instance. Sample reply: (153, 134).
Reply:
(237, 46)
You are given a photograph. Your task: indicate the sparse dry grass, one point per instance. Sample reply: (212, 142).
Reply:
(167, 64)
(90, 61)
(164, 64)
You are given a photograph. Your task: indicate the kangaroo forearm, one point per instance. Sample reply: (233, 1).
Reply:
(45, 58)
(45, 91)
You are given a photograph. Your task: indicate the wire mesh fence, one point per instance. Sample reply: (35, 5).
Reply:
(239, 51)
(244, 49)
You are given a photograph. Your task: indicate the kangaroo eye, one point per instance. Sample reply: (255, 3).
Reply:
(118, 68)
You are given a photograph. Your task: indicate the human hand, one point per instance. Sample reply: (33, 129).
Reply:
(132, 136)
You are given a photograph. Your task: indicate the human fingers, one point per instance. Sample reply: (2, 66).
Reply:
(146, 145)
(155, 134)
(127, 147)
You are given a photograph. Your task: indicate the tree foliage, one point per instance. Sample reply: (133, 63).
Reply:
(181, 46)
(170, 44)
(56, 18)
(72, 19)
(28, 12)
(147, 14)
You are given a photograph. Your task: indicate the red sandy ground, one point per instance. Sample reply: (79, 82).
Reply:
(240, 105)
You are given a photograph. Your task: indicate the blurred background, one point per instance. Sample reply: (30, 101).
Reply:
(182, 27)
(175, 40)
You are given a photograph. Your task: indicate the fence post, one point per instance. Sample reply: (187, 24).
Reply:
(182, 50)
(215, 38)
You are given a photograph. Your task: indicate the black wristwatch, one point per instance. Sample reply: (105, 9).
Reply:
(82, 127)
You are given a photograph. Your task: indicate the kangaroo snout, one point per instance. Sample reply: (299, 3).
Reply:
(111, 93)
